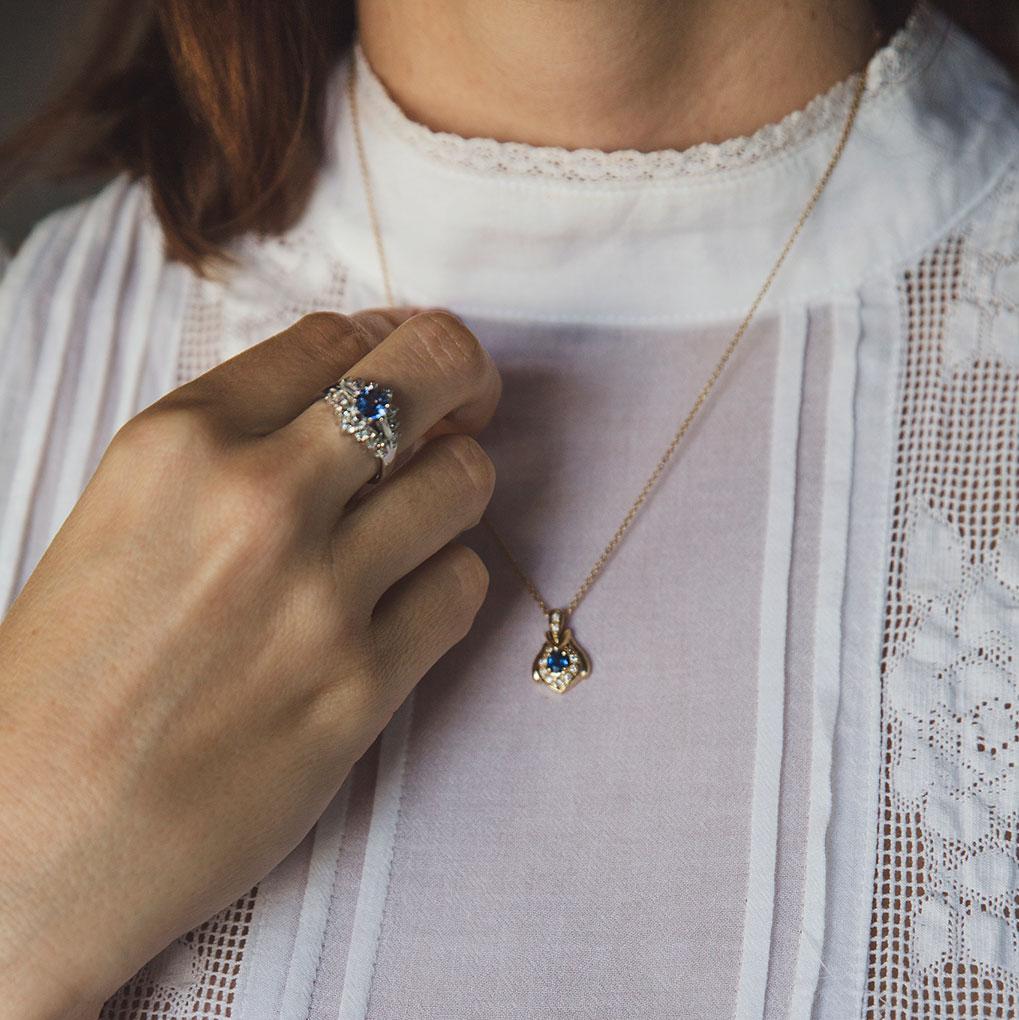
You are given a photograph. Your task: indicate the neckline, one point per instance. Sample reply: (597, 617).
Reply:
(891, 65)
(533, 239)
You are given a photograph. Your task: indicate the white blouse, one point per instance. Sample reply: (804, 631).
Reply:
(789, 787)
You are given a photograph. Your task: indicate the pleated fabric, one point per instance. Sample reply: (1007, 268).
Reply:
(788, 789)
(86, 279)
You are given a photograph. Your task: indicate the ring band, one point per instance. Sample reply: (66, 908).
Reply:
(365, 410)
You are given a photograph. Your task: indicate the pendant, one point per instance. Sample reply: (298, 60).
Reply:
(561, 661)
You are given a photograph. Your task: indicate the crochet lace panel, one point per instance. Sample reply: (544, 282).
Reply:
(944, 937)
(891, 65)
(280, 279)
(195, 976)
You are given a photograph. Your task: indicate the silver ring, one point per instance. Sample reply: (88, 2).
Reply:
(365, 410)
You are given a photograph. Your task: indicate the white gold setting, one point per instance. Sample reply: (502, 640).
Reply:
(366, 411)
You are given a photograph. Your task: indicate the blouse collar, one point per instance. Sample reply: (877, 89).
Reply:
(498, 228)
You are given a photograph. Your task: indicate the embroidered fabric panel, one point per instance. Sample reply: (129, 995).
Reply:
(201, 335)
(281, 279)
(197, 974)
(944, 933)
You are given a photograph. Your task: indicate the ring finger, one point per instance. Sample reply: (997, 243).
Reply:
(437, 371)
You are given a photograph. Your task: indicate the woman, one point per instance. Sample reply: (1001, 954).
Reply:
(232, 783)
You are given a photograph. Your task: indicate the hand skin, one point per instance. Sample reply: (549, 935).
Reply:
(217, 633)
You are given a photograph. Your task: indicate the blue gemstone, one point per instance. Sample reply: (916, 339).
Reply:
(371, 402)
(557, 661)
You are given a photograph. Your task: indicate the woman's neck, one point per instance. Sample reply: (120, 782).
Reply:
(611, 74)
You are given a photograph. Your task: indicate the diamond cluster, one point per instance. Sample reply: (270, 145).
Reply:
(364, 410)
(558, 667)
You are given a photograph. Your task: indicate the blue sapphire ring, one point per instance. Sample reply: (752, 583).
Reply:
(366, 411)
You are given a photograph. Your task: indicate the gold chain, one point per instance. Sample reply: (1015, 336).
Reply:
(684, 426)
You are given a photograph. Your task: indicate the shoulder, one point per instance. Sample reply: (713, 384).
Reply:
(981, 255)
(91, 275)
(93, 246)
(90, 315)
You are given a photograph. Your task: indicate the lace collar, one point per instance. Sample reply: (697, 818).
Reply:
(890, 65)
(504, 229)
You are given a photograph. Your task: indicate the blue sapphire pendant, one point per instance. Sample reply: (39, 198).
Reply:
(561, 661)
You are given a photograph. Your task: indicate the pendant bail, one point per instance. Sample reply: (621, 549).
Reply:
(556, 624)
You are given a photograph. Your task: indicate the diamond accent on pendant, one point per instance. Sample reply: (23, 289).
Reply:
(561, 661)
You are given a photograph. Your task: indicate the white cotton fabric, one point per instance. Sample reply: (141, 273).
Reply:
(788, 788)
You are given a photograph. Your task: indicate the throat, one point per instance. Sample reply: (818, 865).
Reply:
(600, 74)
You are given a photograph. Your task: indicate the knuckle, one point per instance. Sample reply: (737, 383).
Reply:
(160, 458)
(324, 325)
(470, 577)
(471, 467)
(322, 332)
(448, 344)
(252, 508)
(346, 703)
(169, 436)
(367, 683)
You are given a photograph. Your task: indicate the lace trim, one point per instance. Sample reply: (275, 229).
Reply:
(891, 65)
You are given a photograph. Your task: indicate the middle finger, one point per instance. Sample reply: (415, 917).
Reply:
(441, 492)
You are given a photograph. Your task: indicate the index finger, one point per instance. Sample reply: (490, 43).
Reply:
(264, 387)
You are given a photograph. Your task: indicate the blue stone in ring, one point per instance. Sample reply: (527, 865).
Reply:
(371, 401)
(557, 661)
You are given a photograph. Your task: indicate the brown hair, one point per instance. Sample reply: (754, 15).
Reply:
(219, 104)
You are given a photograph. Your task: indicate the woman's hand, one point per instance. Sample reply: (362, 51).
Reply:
(214, 638)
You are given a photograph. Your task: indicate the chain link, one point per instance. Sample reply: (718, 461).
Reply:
(701, 398)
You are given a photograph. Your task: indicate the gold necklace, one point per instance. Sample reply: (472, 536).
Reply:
(562, 662)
